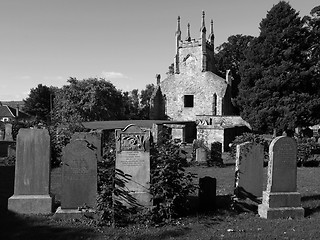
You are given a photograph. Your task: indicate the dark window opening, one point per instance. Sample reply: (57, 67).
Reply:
(188, 100)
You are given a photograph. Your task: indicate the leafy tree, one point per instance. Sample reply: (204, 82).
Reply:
(278, 88)
(39, 102)
(88, 100)
(132, 105)
(145, 96)
(229, 56)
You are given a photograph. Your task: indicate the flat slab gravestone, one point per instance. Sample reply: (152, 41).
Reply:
(249, 170)
(281, 199)
(32, 173)
(133, 158)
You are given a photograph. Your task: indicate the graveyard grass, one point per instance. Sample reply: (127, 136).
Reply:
(239, 222)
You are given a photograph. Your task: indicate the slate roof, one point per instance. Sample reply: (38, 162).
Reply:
(6, 111)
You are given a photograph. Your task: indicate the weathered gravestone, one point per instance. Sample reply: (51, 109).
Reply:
(133, 158)
(249, 170)
(201, 155)
(281, 199)
(79, 178)
(8, 132)
(32, 173)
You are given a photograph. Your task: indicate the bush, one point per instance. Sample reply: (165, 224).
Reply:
(250, 137)
(170, 184)
(213, 155)
(306, 148)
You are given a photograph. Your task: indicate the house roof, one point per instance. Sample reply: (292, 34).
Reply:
(6, 111)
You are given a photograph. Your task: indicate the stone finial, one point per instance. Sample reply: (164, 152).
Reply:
(203, 27)
(178, 32)
(188, 33)
(158, 78)
(211, 36)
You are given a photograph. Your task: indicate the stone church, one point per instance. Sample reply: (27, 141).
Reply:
(192, 92)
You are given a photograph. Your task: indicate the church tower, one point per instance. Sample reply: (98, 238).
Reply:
(194, 54)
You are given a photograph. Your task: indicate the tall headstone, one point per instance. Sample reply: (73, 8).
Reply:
(79, 175)
(249, 170)
(8, 132)
(133, 158)
(281, 199)
(32, 173)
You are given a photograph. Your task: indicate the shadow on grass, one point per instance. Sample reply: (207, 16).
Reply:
(310, 210)
(167, 234)
(16, 226)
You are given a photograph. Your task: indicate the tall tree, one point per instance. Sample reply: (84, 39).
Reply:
(88, 100)
(39, 102)
(229, 56)
(145, 97)
(278, 89)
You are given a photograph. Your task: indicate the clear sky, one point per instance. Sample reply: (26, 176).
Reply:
(125, 41)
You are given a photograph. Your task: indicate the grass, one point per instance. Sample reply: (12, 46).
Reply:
(223, 223)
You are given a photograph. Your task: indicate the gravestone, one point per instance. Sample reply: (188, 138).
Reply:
(281, 199)
(133, 158)
(207, 193)
(79, 179)
(8, 132)
(201, 155)
(249, 170)
(32, 173)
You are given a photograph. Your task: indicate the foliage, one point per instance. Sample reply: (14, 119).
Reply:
(229, 56)
(306, 148)
(249, 137)
(145, 96)
(213, 155)
(278, 79)
(170, 184)
(88, 100)
(39, 102)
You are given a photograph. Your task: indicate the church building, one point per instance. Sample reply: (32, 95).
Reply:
(193, 92)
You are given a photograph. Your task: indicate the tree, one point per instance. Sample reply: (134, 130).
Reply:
(39, 102)
(278, 89)
(229, 56)
(132, 105)
(145, 97)
(88, 100)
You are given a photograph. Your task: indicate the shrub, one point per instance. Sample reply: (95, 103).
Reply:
(306, 148)
(250, 137)
(170, 184)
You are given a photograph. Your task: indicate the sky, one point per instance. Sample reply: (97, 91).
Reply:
(126, 42)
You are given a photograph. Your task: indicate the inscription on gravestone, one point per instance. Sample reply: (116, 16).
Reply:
(133, 158)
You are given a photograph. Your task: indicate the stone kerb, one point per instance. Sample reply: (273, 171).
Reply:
(32, 173)
(249, 170)
(281, 199)
(133, 158)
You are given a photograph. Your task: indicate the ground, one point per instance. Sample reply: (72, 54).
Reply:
(223, 223)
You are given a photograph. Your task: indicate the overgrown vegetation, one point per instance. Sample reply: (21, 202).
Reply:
(170, 185)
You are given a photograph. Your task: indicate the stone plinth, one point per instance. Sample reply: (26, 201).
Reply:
(32, 173)
(281, 199)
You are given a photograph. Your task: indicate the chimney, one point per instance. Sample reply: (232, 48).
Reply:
(158, 78)
(17, 111)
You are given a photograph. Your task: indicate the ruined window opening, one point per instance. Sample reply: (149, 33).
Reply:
(214, 105)
(188, 101)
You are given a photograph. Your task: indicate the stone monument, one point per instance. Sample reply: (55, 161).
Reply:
(249, 170)
(281, 199)
(133, 158)
(79, 178)
(32, 173)
(8, 132)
